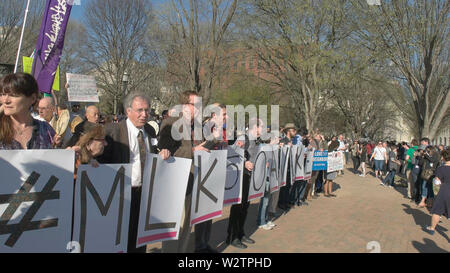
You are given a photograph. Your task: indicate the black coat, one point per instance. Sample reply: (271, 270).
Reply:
(118, 149)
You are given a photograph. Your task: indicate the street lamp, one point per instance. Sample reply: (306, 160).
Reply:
(125, 83)
(124, 87)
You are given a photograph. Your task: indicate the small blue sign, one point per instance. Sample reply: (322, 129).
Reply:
(320, 161)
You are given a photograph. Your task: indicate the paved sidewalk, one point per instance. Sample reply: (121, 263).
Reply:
(363, 211)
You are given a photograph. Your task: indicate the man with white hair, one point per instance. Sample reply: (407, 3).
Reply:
(129, 141)
(46, 110)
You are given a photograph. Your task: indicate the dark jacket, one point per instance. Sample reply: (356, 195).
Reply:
(251, 151)
(286, 142)
(118, 149)
(334, 145)
(180, 148)
(80, 130)
(430, 161)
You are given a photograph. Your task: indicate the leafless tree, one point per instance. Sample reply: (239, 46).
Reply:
(298, 42)
(117, 43)
(11, 19)
(411, 40)
(192, 42)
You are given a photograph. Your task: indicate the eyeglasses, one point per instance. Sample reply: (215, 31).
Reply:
(141, 111)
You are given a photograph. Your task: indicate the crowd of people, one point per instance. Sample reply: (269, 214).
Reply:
(414, 162)
(424, 168)
(28, 122)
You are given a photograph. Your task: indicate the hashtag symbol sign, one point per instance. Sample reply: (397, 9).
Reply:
(24, 195)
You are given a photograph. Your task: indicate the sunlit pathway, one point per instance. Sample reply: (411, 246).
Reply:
(363, 211)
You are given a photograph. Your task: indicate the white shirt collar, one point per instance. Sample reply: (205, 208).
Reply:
(133, 129)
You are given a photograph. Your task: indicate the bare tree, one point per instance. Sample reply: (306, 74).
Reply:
(72, 56)
(366, 109)
(117, 43)
(192, 44)
(11, 19)
(365, 106)
(411, 40)
(298, 43)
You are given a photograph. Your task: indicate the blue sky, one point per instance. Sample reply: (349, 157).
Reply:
(77, 11)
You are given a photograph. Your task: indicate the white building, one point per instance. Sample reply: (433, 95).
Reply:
(443, 138)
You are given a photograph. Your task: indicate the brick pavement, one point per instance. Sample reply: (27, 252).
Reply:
(363, 211)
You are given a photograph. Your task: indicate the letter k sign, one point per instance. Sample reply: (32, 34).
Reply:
(201, 182)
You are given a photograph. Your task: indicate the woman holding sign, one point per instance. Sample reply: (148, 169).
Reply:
(19, 130)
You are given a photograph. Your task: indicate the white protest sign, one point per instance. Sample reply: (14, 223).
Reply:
(374, 2)
(162, 200)
(235, 171)
(209, 185)
(36, 193)
(298, 161)
(274, 169)
(335, 161)
(292, 160)
(284, 160)
(82, 88)
(309, 164)
(102, 208)
(259, 173)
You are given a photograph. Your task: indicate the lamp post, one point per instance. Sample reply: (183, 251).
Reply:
(124, 87)
(115, 104)
(125, 83)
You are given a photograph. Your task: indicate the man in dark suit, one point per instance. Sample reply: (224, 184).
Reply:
(128, 142)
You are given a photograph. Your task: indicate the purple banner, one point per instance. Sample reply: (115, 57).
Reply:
(50, 43)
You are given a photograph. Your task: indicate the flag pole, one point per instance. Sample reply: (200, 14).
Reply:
(21, 36)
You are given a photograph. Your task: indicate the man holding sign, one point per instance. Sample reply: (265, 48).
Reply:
(129, 142)
(238, 213)
(283, 202)
(184, 148)
(214, 129)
